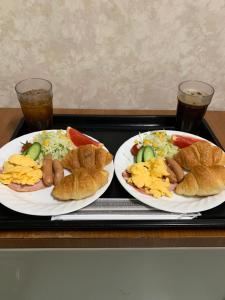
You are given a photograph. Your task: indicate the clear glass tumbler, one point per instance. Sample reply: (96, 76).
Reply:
(35, 97)
(193, 100)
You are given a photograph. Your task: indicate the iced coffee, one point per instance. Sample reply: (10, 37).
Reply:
(193, 100)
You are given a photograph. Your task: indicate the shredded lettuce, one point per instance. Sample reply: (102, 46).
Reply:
(161, 143)
(55, 143)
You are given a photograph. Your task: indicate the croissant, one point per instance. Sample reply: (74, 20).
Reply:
(80, 184)
(87, 156)
(200, 153)
(202, 181)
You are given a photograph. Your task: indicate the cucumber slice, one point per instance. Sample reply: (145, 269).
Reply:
(148, 153)
(34, 151)
(139, 157)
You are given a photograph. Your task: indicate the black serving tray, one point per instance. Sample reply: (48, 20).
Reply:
(112, 131)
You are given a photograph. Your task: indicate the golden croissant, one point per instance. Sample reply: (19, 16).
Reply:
(87, 156)
(80, 184)
(200, 153)
(202, 181)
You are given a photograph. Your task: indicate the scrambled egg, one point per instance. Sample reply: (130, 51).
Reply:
(20, 169)
(149, 176)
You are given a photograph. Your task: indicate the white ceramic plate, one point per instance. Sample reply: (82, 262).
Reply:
(176, 204)
(41, 203)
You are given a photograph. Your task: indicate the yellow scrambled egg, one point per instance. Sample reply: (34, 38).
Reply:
(20, 169)
(150, 176)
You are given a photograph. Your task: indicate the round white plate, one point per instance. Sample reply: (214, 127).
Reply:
(176, 204)
(41, 203)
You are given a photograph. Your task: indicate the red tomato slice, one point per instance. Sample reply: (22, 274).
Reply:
(183, 141)
(79, 138)
(134, 150)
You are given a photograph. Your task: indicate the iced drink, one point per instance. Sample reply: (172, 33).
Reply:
(193, 100)
(36, 104)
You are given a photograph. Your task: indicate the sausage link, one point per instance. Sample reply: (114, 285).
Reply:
(58, 171)
(172, 176)
(176, 168)
(47, 170)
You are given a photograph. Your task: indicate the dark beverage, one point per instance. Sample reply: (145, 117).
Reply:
(37, 109)
(189, 116)
(193, 100)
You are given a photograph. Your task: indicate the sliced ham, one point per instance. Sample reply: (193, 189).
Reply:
(27, 188)
(125, 175)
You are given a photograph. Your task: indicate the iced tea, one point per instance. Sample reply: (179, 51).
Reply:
(37, 109)
(35, 97)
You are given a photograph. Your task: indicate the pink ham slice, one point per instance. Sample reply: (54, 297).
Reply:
(27, 188)
(125, 175)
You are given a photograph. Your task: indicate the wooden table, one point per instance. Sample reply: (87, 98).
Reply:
(110, 238)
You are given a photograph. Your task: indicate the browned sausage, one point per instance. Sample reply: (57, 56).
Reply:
(47, 170)
(172, 176)
(58, 171)
(176, 168)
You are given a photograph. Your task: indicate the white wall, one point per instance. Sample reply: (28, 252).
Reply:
(113, 54)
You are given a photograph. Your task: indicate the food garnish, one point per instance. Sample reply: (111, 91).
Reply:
(34, 151)
(145, 153)
(159, 145)
(25, 147)
(139, 156)
(135, 148)
(55, 143)
(79, 139)
(183, 141)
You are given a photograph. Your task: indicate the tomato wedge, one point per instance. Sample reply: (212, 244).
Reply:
(134, 150)
(79, 138)
(183, 141)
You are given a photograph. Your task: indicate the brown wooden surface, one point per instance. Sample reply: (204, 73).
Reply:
(110, 238)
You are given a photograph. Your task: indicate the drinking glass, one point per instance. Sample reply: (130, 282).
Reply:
(193, 100)
(35, 97)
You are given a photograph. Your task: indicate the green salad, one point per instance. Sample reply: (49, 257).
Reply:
(55, 143)
(160, 141)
